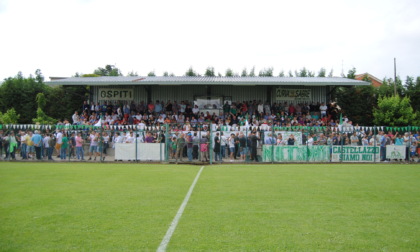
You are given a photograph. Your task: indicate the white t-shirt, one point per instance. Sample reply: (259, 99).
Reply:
(311, 141)
(129, 139)
(231, 142)
(45, 141)
(59, 138)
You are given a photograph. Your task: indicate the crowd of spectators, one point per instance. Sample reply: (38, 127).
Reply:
(186, 117)
(254, 113)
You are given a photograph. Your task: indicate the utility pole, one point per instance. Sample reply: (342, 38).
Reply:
(395, 76)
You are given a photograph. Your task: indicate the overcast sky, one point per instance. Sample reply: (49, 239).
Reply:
(62, 37)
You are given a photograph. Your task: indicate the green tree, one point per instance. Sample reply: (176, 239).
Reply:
(302, 73)
(322, 72)
(359, 111)
(10, 117)
(290, 73)
(252, 72)
(42, 118)
(352, 73)
(229, 72)
(151, 74)
(19, 93)
(132, 73)
(413, 91)
(244, 73)
(190, 72)
(311, 74)
(63, 101)
(387, 88)
(394, 111)
(40, 100)
(90, 75)
(331, 74)
(109, 70)
(266, 72)
(209, 72)
(281, 74)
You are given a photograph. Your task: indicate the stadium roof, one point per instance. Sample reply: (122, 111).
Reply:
(185, 80)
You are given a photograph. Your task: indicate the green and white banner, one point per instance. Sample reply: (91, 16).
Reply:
(302, 153)
(395, 151)
(286, 134)
(355, 154)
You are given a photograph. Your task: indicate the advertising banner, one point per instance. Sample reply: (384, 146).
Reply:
(116, 94)
(355, 154)
(302, 153)
(292, 94)
(395, 152)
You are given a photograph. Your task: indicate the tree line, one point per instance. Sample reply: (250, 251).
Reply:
(110, 70)
(29, 100)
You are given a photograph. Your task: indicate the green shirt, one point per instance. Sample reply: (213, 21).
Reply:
(65, 143)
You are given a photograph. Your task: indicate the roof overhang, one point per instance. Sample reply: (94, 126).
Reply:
(180, 81)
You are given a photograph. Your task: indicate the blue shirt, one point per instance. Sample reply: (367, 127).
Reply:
(36, 138)
(399, 141)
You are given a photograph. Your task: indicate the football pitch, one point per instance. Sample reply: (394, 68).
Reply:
(130, 207)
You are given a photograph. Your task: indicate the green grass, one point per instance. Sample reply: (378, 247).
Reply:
(90, 207)
(105, 207)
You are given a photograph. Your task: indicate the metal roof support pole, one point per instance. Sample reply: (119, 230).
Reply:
(149, 93)
(269, 93)
(208, 91)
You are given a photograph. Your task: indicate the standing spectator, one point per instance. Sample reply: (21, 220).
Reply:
(407, 145)
(196, 143)
(59, 142)
(64, 146)
(243, 148)
(172, 145)
(217, 143)
(149, 138)
(291, 140)
(48, 145)
(231, 143)
(204, 148)
(413, 148)
(106, 142)
(223, 144)
(354, 140)
(1, 144)
(37, 141)
(190, 145)
(30, 149)
(23, 146)
(79, 146)
(382, 142)
(310, 141)
(254, 142)
(180, 143)
(130, 138)
(93, 145)
(12, 145)
(72, 146)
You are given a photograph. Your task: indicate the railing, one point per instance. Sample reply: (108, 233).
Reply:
(210, 143)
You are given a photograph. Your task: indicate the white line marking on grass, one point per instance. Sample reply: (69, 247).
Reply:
(172, 227)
